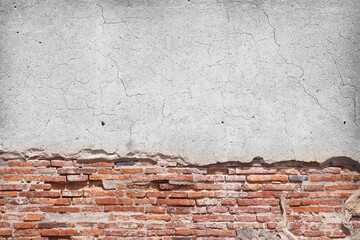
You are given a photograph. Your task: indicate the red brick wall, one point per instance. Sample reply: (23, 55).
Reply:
(132, 199)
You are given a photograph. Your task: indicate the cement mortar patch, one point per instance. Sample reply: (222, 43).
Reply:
(195, 81)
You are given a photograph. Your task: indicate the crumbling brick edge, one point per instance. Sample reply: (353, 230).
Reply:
(159, 197)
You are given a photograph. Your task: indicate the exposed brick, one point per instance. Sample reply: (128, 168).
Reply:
(342, 187)
(330, 178)
(33, 217)
(266, 178)
(186, 202)
(313, 209)
(313, 188)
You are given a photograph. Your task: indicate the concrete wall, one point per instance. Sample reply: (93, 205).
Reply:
(206, 81)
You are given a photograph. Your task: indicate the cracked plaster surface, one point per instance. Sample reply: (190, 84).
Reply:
(209, 81)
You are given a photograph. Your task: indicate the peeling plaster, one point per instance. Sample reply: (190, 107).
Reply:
(195, 81)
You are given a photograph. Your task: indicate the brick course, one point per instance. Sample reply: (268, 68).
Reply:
(67, 199)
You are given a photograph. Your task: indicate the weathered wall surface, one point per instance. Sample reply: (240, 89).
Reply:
(204, 80)
(51, 199)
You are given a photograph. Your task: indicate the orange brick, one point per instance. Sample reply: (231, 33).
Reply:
(330, 178)
(12, 178)
(342, 187)
(267, 178)
(40, 186)
(131, 170)
(213, 218)
(109, 201)
(330, 195)
(321, 202)
(313, 209)
(288, 171)
(23, 225)
(60, 209)
(33, 217)
(60, 232)
(155, 209)
(313, 188)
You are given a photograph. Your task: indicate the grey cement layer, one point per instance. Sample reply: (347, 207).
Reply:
(207, 81)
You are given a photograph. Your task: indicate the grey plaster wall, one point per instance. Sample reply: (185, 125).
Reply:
(206, 81)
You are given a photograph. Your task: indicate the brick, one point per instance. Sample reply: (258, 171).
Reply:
(110, 201)
(153, 217)
(321, 202)
(330, 195)
(268, 218)
(313, 209)
(33, 217)
(206, 202)
(162, 232)
(26, 232)
(330, 178)
(60, 209)
(13, 187)
(213, 218)
(133, 194)
(141, 178)
(223, 233)
(12, 178)
(17, 171)
(53, 201)
(342, 187)
(333, 170)
(92, 209)
(61, 163)
(185, 170)
(298, 178)
(46, 178)
(251, 202)
(4, 225)
(124, 233)
(206, 194)
(313, 188)
(254, 170)
(92, 232)
(207, 186)
(210, 178)
(249, 209)
(265, 194)
(335, 234)
(288, 171)
(72, 193)
(76, 170)
(252, 187)
(108, 177)
(155, 209)
(313, 233)
(185, 202)
(280, 187)
(266, 178)
(77, 178)
(40, 186)
(36, 194)
(185, 232)
(60, 232)
(154, 170)
(173, 177)
(23, 225)
(131, 170)
(228, 201)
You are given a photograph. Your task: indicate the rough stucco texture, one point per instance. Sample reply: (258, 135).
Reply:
(205, 80)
